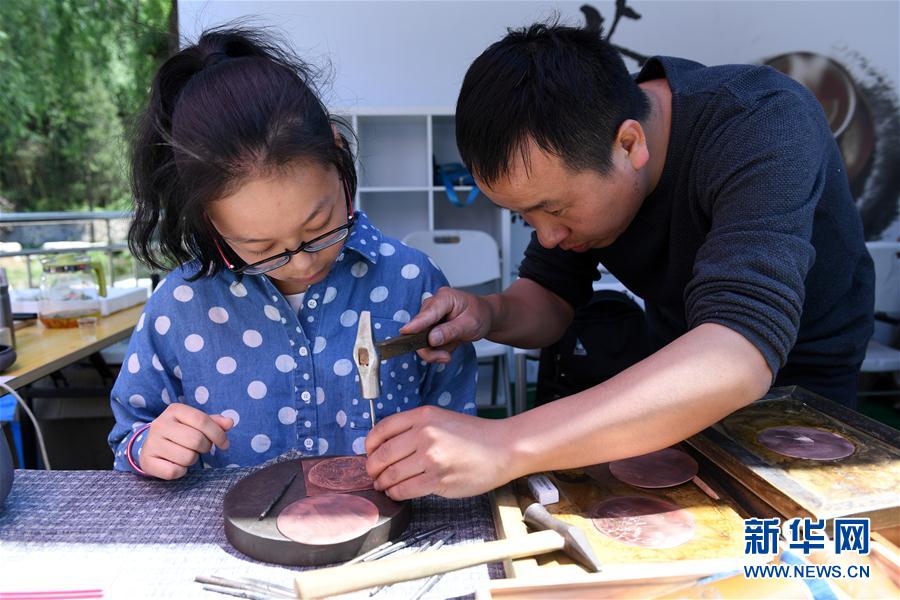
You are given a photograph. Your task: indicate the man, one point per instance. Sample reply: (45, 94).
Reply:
(717, 194)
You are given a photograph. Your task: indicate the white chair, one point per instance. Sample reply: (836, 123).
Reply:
(470, 258)
(881, 358)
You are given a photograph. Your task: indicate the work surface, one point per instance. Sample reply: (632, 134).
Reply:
(139, 538)
(42, 351)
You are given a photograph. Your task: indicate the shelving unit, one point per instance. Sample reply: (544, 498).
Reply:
(394, 152)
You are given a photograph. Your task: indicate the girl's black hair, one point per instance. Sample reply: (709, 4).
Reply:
(232, 106)
(563, 87)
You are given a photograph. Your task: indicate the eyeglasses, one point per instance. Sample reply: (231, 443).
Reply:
(317, 244)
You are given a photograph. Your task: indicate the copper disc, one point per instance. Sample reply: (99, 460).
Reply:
(664, 468)
(806, 442)
(342, 474)
(642, 521)
(327, 519)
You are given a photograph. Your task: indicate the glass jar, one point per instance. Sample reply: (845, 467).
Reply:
(71, 288)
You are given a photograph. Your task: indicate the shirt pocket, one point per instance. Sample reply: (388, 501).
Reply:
(401, 378)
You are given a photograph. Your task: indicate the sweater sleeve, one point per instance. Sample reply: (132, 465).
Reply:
(452, 385)
(567, 274)
(145, 386)
(761, 190)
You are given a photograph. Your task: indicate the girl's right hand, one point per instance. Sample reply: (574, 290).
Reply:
(178, 437)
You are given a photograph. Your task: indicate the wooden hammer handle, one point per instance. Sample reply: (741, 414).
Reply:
(348, 578)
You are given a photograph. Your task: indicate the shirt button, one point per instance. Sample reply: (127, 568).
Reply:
(306, 396)
(308, 443)
(312, 304)
(303, 351)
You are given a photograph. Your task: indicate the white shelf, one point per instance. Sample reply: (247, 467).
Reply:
(396, 150)
(394, 188)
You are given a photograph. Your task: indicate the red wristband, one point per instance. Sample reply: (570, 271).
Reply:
(131, 460)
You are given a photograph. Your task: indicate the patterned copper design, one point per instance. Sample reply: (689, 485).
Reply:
(341, 474)
(642, 521)
(806, 442)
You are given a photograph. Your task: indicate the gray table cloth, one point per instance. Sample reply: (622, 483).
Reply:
(140, 538)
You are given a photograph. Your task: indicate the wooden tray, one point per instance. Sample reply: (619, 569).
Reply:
(717, 545)
(865, 484)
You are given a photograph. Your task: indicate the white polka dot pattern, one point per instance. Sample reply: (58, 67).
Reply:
(287, 379)
(252, 338)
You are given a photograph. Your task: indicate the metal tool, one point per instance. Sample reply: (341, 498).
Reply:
(388, 547)
(338, 580)
(404, 542)
(577, 545)
(431, 581)
(426, 546)
(244, 587)
(278, 496)
(367, 355)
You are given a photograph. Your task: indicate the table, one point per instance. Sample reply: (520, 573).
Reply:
(136, 537)
(42, 351)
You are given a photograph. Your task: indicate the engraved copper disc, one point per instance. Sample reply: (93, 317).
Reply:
(806, 442)
(341, 474)
(664, 468)
(327, 519)
(642, 521)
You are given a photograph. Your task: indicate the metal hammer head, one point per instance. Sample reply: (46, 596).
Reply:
(365, 355)
(577, 545)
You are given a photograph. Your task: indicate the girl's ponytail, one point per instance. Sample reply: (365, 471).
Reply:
(228, 107)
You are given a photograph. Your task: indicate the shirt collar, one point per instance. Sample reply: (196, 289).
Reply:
(365, 239)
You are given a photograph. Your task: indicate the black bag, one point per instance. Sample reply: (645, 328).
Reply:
(607, 335)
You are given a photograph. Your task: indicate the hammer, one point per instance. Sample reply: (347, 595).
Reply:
(556, 535)
(368, 356)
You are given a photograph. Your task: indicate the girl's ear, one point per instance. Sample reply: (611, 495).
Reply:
(337, 136)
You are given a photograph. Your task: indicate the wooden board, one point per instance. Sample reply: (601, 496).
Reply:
(41, 351)
(864, 484)
(634, 586)
(261, 539)
(717, 544)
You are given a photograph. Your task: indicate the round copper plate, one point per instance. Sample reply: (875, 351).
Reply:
(664, 468)
(342, 474)
(644, 522)
(806, 442)
(327, 519)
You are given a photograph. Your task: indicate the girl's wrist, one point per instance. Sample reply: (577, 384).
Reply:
(132, 459)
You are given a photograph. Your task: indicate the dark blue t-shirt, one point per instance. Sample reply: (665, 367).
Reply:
(752, 225)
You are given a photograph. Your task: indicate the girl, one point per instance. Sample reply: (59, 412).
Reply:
(244, 351)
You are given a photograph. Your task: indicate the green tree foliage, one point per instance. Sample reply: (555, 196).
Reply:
(73, 73)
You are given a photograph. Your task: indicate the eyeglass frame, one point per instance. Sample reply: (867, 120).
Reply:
(242, 269)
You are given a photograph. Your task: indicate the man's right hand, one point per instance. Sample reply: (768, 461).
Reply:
(467, 317)
(178, 437)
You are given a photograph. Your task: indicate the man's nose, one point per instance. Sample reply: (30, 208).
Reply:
(550, 236)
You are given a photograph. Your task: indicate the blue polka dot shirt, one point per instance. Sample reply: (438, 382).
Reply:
(235, 347)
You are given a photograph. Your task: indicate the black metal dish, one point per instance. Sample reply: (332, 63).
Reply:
(260, 539)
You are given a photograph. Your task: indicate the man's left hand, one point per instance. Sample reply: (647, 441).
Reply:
(430, 450)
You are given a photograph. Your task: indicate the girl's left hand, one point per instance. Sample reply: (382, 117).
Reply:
(430, 450)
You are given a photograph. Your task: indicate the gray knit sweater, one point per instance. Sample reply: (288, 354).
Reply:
(751, 226)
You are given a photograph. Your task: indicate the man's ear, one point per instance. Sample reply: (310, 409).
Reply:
(632, 141)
